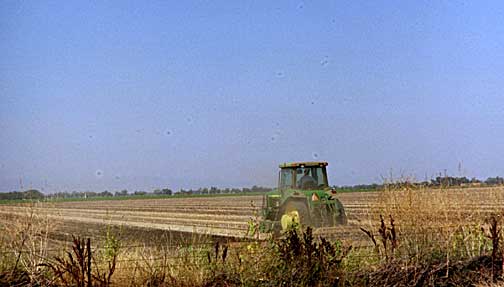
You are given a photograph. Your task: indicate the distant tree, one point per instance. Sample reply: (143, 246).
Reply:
(123, 192)
(33, 194)
(106, 193)
(166, 191)
(494, 180)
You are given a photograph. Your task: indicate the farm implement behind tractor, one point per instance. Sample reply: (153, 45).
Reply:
(303, 198)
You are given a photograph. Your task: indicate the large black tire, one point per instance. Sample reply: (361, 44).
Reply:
(292, 208)
(340, 216)
(327, 216)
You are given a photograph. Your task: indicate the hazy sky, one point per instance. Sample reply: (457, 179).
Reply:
(99, 95)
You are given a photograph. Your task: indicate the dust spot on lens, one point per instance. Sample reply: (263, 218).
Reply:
(273, 138)
(301, 5)
(325, 61)
(117, 177)
(168, 133)
(99, 173)
(280, 74)
(189, 120)
(315, 155)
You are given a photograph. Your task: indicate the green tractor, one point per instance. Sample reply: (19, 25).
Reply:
(303, 198)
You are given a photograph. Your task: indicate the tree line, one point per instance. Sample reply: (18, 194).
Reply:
(35, 194)
(22, 195)
(440, 181)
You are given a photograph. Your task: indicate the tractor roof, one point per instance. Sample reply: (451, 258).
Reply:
(301, 164)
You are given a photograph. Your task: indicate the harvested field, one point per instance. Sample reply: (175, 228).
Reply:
(229, 216)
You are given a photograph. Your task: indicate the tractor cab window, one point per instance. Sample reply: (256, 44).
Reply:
(306, 178)
(286, 179)
(310, 178)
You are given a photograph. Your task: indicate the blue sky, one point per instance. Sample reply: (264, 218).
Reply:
(118, 94)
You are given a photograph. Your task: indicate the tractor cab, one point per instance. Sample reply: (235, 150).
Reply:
(303, 175)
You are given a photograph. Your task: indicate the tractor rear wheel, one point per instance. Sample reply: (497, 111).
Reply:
(341, 218)
(294, 214)
(327, 216)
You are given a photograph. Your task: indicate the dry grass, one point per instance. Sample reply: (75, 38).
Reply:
(26, 239)
(427, 220)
